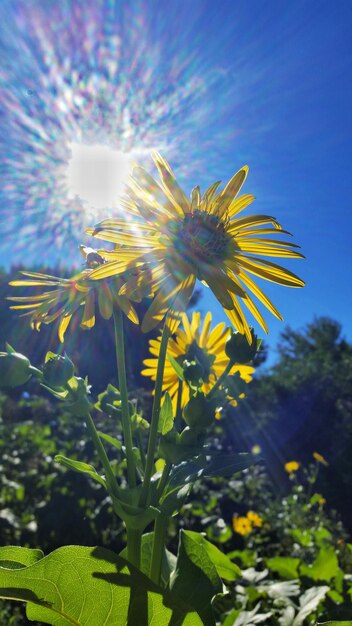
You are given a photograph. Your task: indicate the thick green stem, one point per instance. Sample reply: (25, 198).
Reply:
(121, 371)
(153, 433)
(160, 528)
(110, 478)
(134, 546)
(221, 378)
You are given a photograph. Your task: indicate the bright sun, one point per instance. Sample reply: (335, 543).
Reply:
(97, 173)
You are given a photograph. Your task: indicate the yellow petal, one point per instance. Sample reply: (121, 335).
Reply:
(63, 326)
(231, 190)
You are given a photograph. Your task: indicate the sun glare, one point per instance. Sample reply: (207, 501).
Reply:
(97, 173)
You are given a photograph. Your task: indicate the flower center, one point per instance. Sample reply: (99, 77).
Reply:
(200, 236)
(200, 356)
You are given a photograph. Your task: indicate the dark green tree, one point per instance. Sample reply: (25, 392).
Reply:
(303, 404)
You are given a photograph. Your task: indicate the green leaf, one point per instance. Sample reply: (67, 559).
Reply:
(228, 464)
(285, 566)
(78, 466)
(177, 367)
(325, 566)
(86, 587)
(224, 566)
(195, 580)
(15, 557)
(172, 503)
(220, 465)
(166, 419)
(109, 439)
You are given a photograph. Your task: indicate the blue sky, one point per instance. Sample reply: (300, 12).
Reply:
(213, 85)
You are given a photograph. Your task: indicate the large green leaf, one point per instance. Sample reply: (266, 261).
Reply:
(223, 565)
(218, 465)
(166, 419)
(15, 557)
(89, 587)
(228, 464)
(285, 566)
(325, 566)
(79, 466)
(195, 580)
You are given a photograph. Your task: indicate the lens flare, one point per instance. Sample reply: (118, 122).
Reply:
(97, 174)
(78, 74)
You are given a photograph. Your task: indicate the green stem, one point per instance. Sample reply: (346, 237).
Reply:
(110, 478)
(160, 528)
(121, 371)
(134, 546)
(221, 378)
(141, 447)
(178, 405)
(153, 433)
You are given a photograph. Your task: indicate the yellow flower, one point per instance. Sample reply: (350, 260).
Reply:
(68, 296)
(203, 238)
(255, 519)
(242, 525)
(319, 457)
(321, 500)
(195, 342)
(292, 466)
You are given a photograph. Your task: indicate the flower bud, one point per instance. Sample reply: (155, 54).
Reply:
(238, 350)
(193, 373)
(14, 369)
(57, 370)
(199, 411)
(109, 401)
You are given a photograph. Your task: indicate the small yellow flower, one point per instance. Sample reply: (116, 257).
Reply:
(242, 525)
(195, 341)
(68, 296)
(319, 457)
(255, 519)
(292, 466)
(321, 500)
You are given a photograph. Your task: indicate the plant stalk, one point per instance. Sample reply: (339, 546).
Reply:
(153, 434)
(160, 528)
(121, 372)
(134, 546)
(110, 477)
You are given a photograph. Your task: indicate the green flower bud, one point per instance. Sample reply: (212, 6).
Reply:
(193, 373)
(199, 411)
(109, 401)
(239, 350)
(57, 370)
(14, 369)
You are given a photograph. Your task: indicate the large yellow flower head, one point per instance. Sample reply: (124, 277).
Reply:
(68, 296)
(203, 238)
(195, 342)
